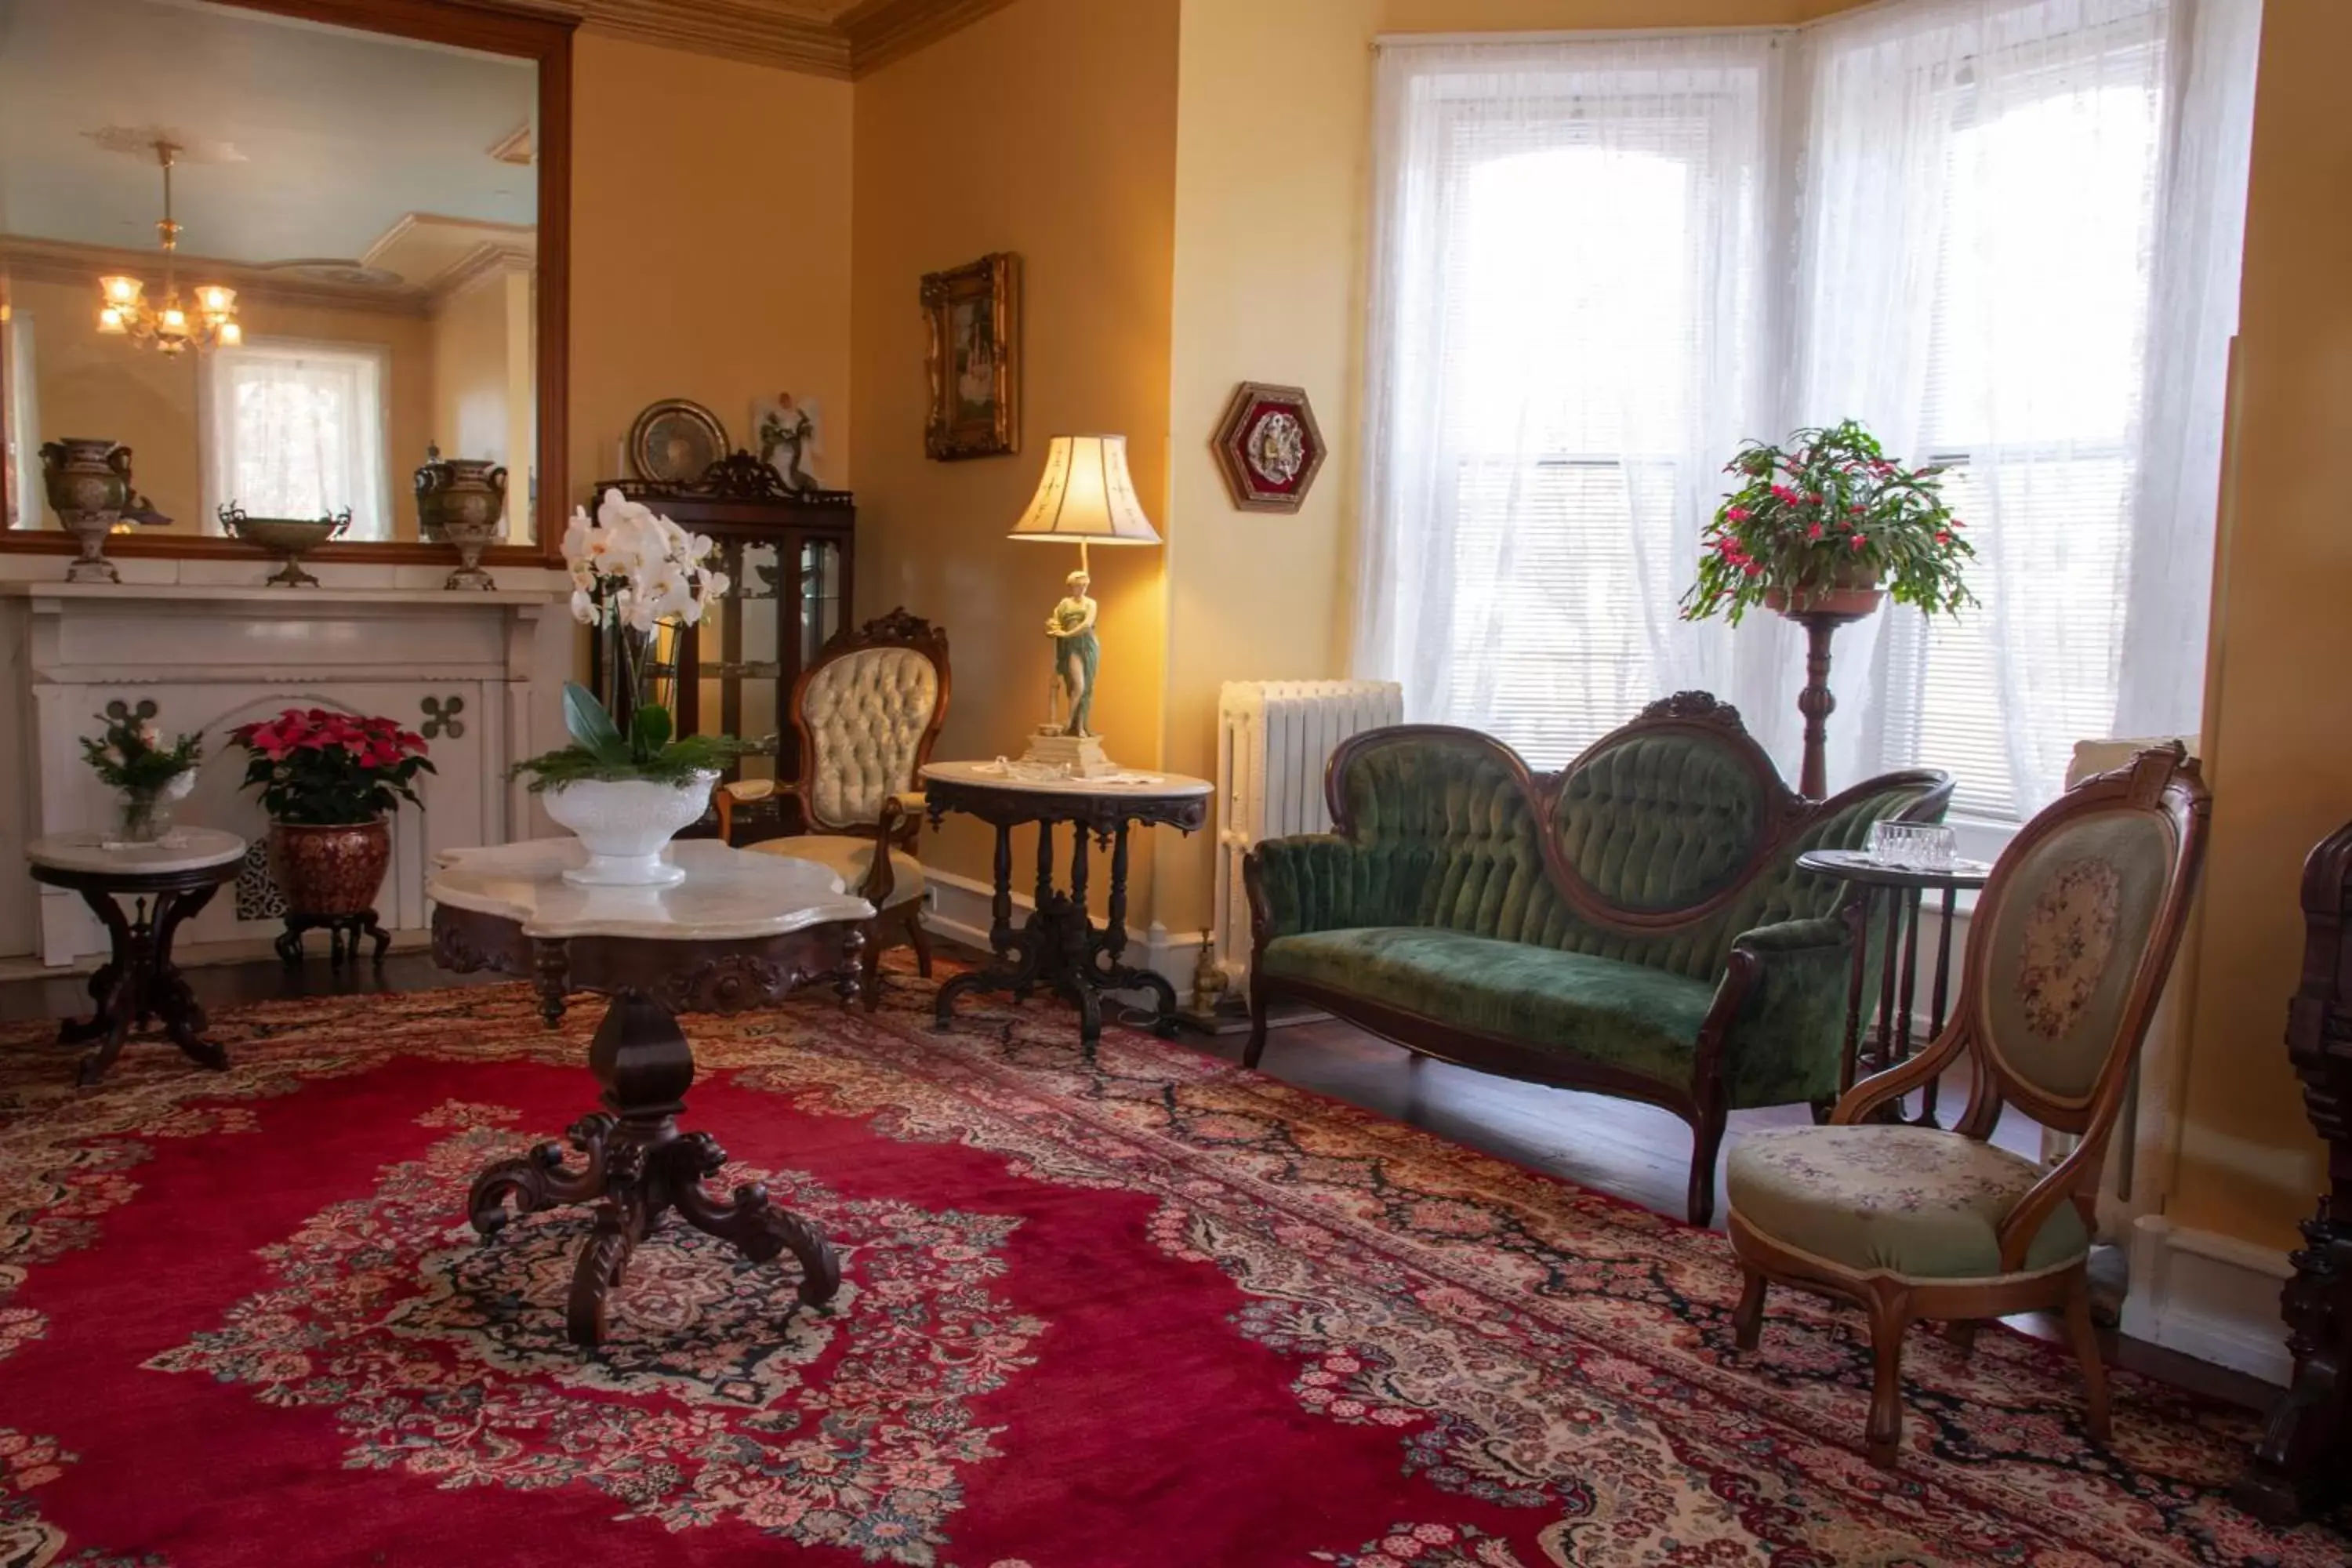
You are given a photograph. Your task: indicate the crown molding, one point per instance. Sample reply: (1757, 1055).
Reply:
(857, 39)
(758, 32)
(881, 31)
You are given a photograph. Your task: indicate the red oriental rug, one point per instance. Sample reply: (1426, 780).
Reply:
(1155, 1313)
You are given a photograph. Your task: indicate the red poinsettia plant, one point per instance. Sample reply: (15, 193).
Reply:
(1828, 510)
(317, 767)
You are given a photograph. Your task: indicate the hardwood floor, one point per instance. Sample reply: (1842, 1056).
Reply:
(1629, 1151)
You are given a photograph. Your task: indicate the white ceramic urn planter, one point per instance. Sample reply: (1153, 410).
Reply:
(626, 826)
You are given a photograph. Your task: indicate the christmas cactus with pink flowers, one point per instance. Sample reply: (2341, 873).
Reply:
(1827, 512)
(317, 767)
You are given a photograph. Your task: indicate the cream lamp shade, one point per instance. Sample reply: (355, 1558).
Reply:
(1086, 497)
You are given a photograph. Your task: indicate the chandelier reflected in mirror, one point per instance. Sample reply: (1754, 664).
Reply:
(172, 325)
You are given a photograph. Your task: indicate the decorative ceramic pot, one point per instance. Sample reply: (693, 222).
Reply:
(331, 870)
(144, 816)
(625, 824)
(89, 485)
(462, 501)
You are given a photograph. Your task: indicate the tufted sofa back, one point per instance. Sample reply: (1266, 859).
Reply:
(864, 714)
(1659, 845)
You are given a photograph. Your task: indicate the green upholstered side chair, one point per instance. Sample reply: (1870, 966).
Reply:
(2068, 951)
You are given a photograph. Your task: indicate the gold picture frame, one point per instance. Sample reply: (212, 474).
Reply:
(973, 360)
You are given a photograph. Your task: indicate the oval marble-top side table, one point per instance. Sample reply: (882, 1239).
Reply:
(741, 931)
(165, 883)
(1059, 949)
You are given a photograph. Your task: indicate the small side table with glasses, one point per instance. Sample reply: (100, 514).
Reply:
(1870, 882)
(164, 884)
(1058, 947)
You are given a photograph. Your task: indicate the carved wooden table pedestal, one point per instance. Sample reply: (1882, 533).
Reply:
(743, 931)
(2303, 1462)
(1058, 947)
(164, 884)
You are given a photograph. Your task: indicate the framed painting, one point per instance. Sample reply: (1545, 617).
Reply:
(974, 359)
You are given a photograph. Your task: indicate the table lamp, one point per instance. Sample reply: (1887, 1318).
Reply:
(1085, 495)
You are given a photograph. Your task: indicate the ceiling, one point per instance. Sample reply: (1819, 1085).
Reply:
(306, 142)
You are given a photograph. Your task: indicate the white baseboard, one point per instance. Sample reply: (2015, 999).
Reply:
(2208, 1296)
(956, 907)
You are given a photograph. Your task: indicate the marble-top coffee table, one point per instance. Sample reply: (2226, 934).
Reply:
(164, 883)
(741, 931)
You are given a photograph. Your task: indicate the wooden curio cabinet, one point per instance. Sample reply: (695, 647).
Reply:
(791, 561)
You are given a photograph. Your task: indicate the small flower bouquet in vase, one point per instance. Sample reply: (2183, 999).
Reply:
(626, 789)
(149, 778)
(328, 781)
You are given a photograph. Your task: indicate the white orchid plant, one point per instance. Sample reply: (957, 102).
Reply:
(633, 572)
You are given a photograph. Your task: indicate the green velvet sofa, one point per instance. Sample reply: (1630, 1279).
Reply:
(1634, 925)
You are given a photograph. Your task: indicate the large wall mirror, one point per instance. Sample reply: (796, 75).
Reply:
(370, 199)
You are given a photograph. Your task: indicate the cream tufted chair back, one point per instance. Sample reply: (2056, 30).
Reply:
(867, 714)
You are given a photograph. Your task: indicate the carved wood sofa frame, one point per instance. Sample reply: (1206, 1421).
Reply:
(1704, 1104)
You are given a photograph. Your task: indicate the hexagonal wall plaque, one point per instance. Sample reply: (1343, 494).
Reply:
(1269, 447)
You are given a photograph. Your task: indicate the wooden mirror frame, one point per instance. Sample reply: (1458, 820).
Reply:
(545, 38)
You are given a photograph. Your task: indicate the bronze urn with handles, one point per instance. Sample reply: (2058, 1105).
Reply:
(89, 485)
(462, 502)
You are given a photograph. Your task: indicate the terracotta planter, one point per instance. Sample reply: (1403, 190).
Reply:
(330, 870)
(1852, 595)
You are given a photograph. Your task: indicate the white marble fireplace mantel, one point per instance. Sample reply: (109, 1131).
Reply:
(479, 674)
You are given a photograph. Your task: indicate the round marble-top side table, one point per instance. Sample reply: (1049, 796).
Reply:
(1899, 963)
(1058, 947)
(165, 883)
(741, 931)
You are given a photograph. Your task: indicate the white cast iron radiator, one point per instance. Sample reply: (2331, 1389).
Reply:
(1274, 738)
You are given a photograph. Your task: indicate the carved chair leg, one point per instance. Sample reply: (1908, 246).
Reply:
(1707, 1144)
(1747, 1318)
(1961, 1334)
(919, 940)
(1890, 1315)
(2086, 1350)
(1255, 1051)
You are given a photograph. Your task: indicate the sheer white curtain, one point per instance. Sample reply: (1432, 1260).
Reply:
(297, 429)
(2003, 233)
(2018, 255)
(1564, 345)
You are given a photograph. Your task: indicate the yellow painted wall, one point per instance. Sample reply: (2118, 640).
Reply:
(93, 385)
(1272, 231)
(469, 372)
(2279, 736)
(1048, 129)
(709, 245)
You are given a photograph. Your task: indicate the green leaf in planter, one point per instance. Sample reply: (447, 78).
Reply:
(591, 726)
(650, 728)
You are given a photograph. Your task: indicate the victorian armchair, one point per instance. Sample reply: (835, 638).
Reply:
(2068, 951)
(867, 713)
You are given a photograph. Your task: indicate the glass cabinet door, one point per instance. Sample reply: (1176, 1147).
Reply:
(819, 595)
(740, 676)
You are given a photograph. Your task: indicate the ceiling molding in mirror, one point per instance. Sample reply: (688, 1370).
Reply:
(329, 182)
